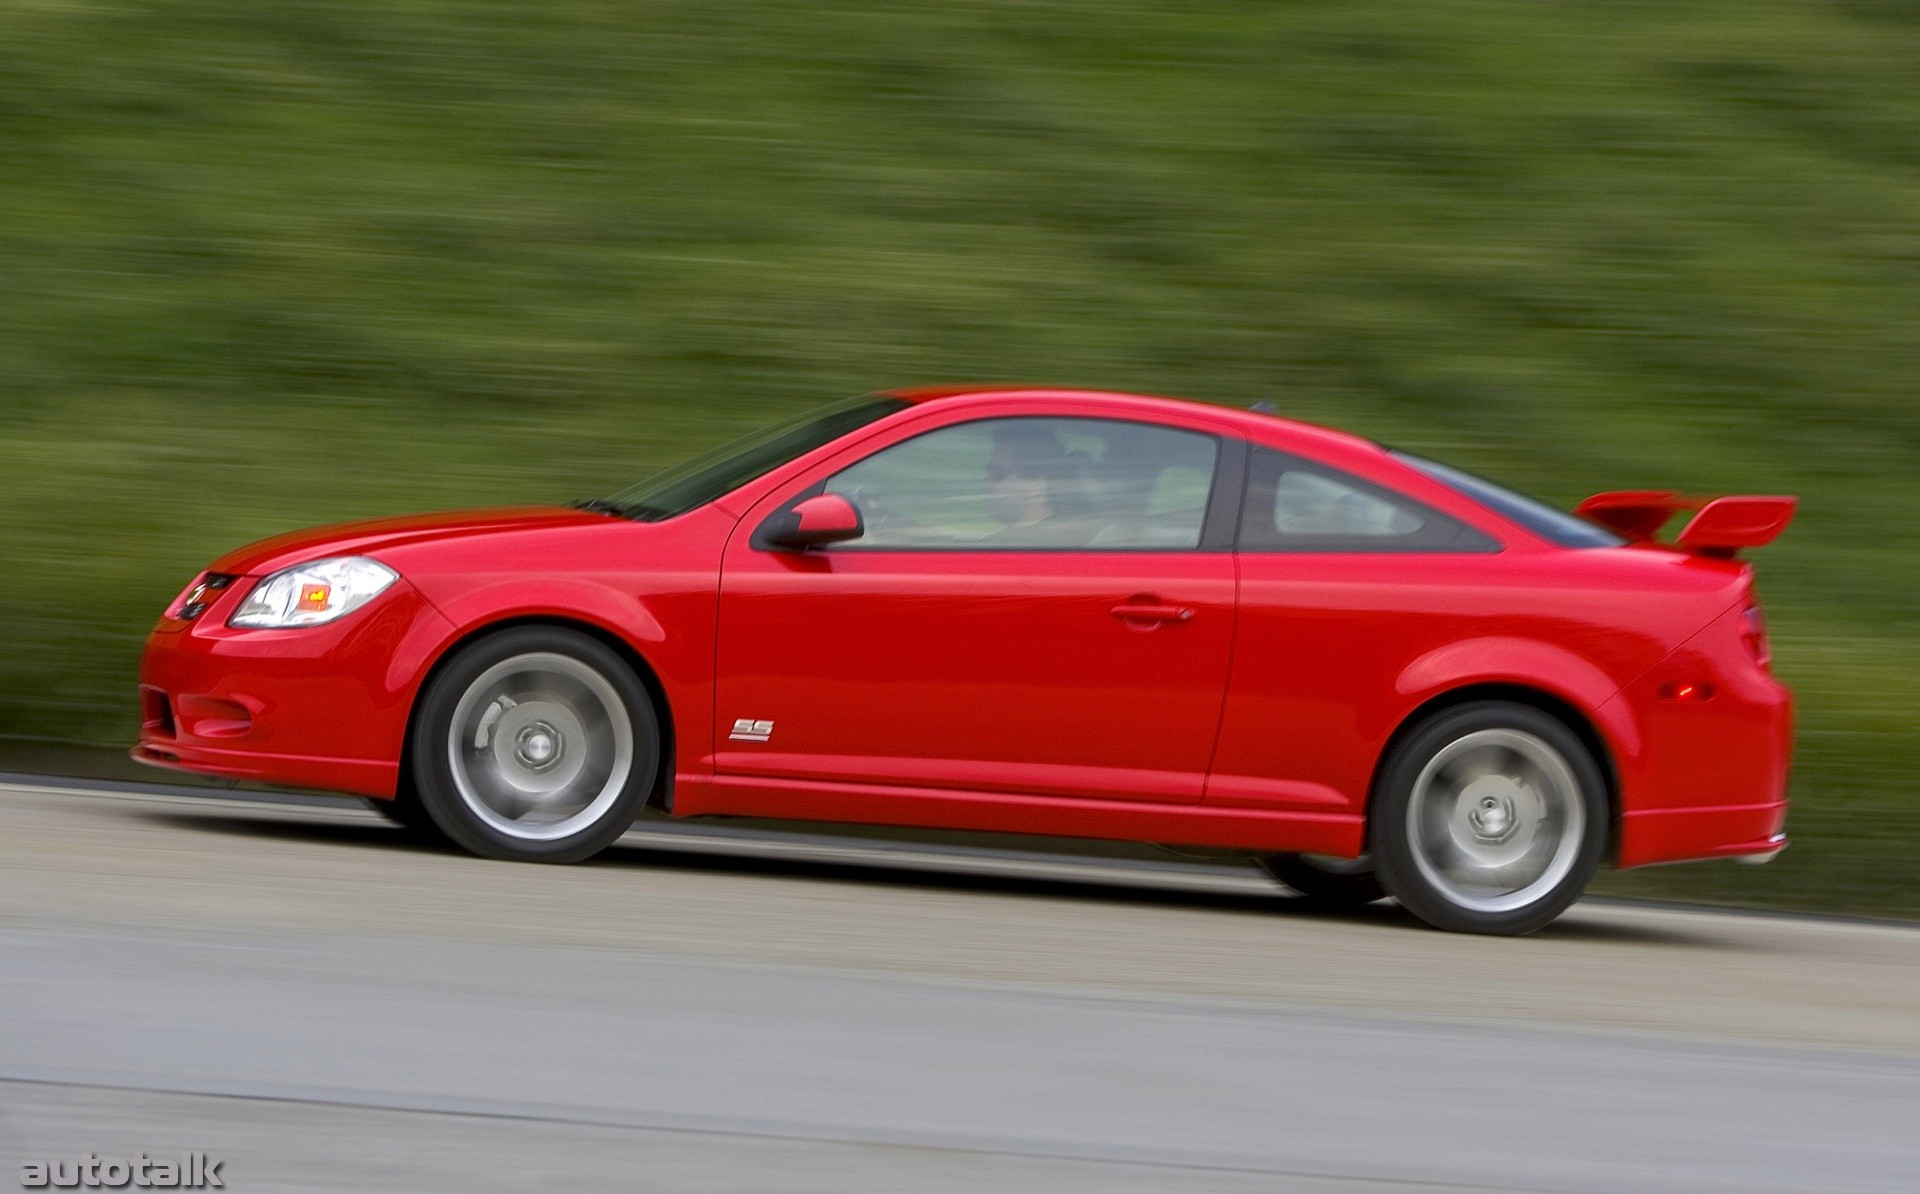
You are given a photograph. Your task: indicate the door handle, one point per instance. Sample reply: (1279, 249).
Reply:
(1151, 611)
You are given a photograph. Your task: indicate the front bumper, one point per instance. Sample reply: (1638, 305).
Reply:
(313, 707)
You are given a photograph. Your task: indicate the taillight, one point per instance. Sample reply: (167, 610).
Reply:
(1753, 632)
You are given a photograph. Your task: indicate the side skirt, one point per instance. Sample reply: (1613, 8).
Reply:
(1276, 831)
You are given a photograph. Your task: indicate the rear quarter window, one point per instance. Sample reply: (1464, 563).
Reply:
(1295, 505)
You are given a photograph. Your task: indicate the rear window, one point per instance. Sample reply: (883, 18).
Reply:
(1551, 524)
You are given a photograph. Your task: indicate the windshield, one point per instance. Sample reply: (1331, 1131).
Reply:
(1553, 525)
(726, 468)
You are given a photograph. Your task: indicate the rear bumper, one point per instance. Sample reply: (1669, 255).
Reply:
(1747, 831)
(1706, 777)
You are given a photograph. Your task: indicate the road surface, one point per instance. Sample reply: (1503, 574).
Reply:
(293, 987)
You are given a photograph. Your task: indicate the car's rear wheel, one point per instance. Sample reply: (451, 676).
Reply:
(1327, 881)
(1490, 818)
(537, 743)
(404, 809)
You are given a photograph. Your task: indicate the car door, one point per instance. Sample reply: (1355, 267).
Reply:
(1038, 605)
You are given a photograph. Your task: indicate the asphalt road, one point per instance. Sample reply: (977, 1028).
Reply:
(295, 989)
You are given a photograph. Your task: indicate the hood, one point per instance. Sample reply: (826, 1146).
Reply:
(362, 538)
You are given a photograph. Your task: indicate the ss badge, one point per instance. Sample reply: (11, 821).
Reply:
(746, 729)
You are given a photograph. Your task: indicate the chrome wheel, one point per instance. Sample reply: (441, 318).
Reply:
(540, 746)
(1496, 820)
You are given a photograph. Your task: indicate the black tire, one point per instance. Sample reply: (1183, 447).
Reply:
(405, 811)
(1328, 883)
(1460, 780)
(551, 719)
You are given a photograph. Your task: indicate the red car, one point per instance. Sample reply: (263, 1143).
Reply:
(1029, 611)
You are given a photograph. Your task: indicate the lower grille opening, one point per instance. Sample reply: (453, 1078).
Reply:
(156, 712)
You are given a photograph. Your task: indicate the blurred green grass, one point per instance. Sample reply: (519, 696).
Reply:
(273, 265)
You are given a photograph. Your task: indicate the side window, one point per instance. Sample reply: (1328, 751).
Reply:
(1035, 484)
(1292, 505)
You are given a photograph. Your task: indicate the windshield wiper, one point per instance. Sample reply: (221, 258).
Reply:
(599, 506)
(634, 510)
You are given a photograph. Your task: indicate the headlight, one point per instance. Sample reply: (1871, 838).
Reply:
(310, 594)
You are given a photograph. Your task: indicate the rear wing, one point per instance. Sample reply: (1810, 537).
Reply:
(1722, 527)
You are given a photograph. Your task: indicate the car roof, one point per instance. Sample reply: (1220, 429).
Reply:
(1255, 425)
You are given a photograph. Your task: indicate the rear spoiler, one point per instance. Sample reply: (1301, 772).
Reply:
(1722, 527)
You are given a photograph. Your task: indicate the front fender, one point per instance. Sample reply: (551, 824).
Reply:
(680, 662)
(617, 612)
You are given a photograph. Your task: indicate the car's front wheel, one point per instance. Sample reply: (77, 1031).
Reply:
(537, 743)
(1489, 818)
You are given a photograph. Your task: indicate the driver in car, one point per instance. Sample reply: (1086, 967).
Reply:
(1037, 489)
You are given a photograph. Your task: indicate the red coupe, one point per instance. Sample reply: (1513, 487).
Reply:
(1028, 611)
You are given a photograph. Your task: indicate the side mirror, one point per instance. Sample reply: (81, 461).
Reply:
(819, 520)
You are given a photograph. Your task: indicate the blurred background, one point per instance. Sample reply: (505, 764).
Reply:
(272, 265)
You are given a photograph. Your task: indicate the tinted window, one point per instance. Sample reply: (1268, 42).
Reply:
(727, 468)
(1292, 505)
(1555, 526)
(1035, 484)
